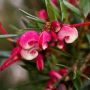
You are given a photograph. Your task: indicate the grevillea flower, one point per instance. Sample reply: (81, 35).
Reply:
(29, 39)
(55, 76)
(42, 14)
(44, 38)
(67, 33)
(29, 43)
(28, 46)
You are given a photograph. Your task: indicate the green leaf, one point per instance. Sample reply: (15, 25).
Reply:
(8, 35)
(32, 17)
(88, 37)
(72, 8)
(52, 10)
(85, 7)
(63, 9)
(77, 80)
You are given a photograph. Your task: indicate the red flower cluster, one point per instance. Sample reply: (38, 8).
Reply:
(55, 76)
(31, 44)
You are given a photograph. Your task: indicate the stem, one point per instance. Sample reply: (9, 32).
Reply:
(80, 24)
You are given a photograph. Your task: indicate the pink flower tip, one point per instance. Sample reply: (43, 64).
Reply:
(42, 14)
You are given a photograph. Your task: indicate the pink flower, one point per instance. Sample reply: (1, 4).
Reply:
(29, 43)
(29, 39)
(40, 62)
(44, 39)
(67, 33)
(55, 2)
(49, 85)
(42, 14)
(55, 75)
(63, 71)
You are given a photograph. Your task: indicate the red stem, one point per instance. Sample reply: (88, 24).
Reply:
(80, 24)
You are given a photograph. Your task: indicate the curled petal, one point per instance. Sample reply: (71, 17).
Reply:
(55, 75)
(44, 38)
(67, 33)
(29, 54)
(42, 14)
(28, 39)
(40, 62)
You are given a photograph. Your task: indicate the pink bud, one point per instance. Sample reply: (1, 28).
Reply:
(67, 33)
(42, 14)
(49, 85)
(54, 75)
(29, 39)
(63, 71)
(55, 2)
(55, 25)
(44, 38)
(40, 62)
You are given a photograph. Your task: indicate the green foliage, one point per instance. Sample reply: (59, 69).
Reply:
(52, 10)
(72, 8)
(85, 7)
